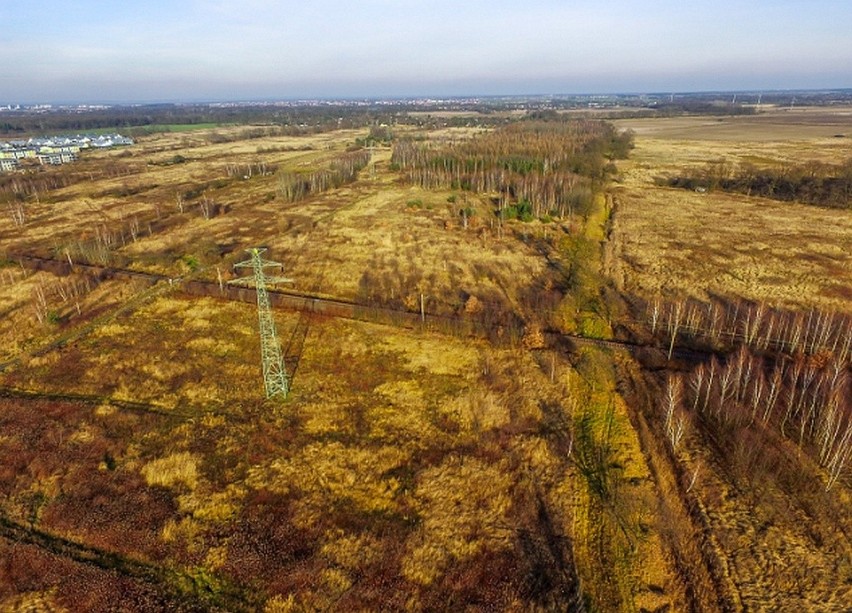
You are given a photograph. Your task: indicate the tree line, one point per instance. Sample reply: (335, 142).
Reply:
(817, 183)
(806, 401)
(724, 325)
(293, 186)
(772, 369)
(143, 116)
(20, 189)
(291, 119)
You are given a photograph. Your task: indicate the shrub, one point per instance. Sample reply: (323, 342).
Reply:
(191, 262)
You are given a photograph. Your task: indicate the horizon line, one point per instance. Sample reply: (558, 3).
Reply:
(4, 105)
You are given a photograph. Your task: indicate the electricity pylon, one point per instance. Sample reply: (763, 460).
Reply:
(275, 377)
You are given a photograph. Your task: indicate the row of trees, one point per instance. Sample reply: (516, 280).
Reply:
(343, 169)
(252, 169)
(261, 120)
(814, 183)
(18, 189)
(784, 371)
(805, 400)
(553, 167)
(47, 296)
(723, 325)
(97, 245)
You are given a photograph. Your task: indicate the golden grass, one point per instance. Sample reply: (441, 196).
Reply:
(407, 250)
(159, 354)
(351, 552)
(281, 604)
(770, 125)
(28, 322)
(32, 602)
(19, 325)
(177, 469)
(325, 472)
(431, 353)
(67, 215)
(327, 242)
(774, 536)
(476, 412)
(464, 504)
(681, 242)
(397, 449)
(208, 506)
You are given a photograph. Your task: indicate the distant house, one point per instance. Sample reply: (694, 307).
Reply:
(56, 150)
(9, 164)
(56, 158)
(46, 149)
(20, 154)
(110, 140)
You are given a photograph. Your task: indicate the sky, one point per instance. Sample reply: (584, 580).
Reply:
(123, 51)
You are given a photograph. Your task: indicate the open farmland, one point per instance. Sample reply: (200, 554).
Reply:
(702, 244)
(483, 415)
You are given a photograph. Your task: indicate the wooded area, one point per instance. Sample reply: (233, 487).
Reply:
(814, 183)
(537, 167)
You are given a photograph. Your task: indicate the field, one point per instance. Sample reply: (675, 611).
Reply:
(701, 244)
(406, 464)
(477, 417)
(781, 538)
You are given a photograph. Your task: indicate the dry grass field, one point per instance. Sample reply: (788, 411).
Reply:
(680, 242)
(779, 537)
(414, 466)
(407, 470)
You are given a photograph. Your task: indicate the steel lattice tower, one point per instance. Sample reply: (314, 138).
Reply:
(275, 377)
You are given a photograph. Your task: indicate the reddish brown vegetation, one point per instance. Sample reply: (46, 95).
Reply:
(55, 582)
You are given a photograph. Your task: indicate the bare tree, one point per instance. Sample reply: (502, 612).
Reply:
(17, 212)
(839, 456)
(655, 314)
(674, 321)
(674, 424)
(757, 391)
(207, 207)
(40, 303)
(696, 383)
(776, 383)
(726, 378)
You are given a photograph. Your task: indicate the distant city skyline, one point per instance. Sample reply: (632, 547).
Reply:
(94, 51)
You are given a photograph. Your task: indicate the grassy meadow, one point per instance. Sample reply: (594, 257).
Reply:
(407, 469)
(701, 244)
(778, 530)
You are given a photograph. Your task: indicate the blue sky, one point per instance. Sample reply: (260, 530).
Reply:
(156, 50)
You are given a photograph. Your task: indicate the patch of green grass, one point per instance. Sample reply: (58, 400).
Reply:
(177, 127)
(191, 262)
